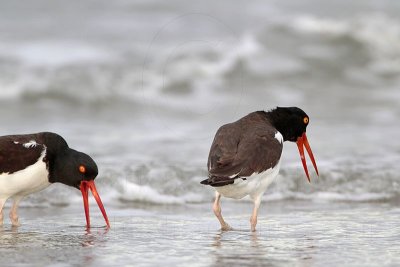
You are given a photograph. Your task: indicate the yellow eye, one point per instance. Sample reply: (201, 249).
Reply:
(305, 120)
(82, 169)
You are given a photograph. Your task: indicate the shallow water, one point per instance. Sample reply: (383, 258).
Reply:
(289, 234)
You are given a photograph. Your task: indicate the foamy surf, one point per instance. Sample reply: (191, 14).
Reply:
(158, 187)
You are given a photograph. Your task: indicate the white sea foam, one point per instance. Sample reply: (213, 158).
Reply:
(329, 197)
(49, 53)
(142, 193)
(344, 186)
(312, 24)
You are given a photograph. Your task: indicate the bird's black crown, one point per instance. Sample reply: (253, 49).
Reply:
(67, 165)
(291, 122)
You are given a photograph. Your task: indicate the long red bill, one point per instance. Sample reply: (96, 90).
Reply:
(303, 141)
(85, 186)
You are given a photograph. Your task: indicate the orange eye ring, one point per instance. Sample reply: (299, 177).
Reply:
(82, 169)
(305, 120)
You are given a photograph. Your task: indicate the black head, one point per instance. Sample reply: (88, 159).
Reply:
(77, 169)
(72, 167)
(291, 122)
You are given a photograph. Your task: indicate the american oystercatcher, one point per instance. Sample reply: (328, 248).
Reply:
(31, 162)
(245, 155)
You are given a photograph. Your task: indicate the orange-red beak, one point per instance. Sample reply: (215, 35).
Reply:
(302, 141)
(85, 185)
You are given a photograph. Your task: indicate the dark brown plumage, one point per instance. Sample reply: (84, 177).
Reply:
(242, 148)
(15, 156)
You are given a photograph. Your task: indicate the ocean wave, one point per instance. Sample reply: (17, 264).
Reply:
(208, 70)
(378, 33)
(174, 186)
(90, 75)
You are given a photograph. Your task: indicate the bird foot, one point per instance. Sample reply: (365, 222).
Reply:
(14, 221)
(253, 223)
(15, 224)
(226, 227)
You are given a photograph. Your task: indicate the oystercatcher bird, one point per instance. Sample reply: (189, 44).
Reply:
(245, 155)
(31, 162)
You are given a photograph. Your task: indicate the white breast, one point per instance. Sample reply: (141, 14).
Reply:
(24, 182)
(254, 185)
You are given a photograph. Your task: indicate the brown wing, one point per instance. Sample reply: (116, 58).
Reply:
(238, 153)
(15, 155)
(224, 149)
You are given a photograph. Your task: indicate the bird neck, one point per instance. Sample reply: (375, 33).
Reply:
(279, 119)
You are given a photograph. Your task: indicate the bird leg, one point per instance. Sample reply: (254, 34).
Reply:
(253, 218)
(13, 212)
(217, 212)
(2, 201)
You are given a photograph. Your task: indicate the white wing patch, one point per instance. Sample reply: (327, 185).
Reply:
(234, 175)
(279, 137)
(30, 144)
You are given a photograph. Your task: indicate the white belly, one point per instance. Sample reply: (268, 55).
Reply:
(254, 185)
(24, 182)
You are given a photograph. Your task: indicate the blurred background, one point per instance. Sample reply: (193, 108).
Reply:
(142, 86)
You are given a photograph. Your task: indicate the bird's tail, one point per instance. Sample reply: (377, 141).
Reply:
(217, 181)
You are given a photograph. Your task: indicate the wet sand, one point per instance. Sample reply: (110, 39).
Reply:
(289, 234)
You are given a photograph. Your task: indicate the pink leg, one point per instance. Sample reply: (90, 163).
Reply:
(13, 211)
(217, 212)
(253, 218)
(2, 202)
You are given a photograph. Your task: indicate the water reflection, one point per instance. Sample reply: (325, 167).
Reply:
(59, 238)
(240, 248)
(50, 244)
(272, 248)
(94, 236)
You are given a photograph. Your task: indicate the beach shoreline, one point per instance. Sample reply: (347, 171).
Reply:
(289, 233)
